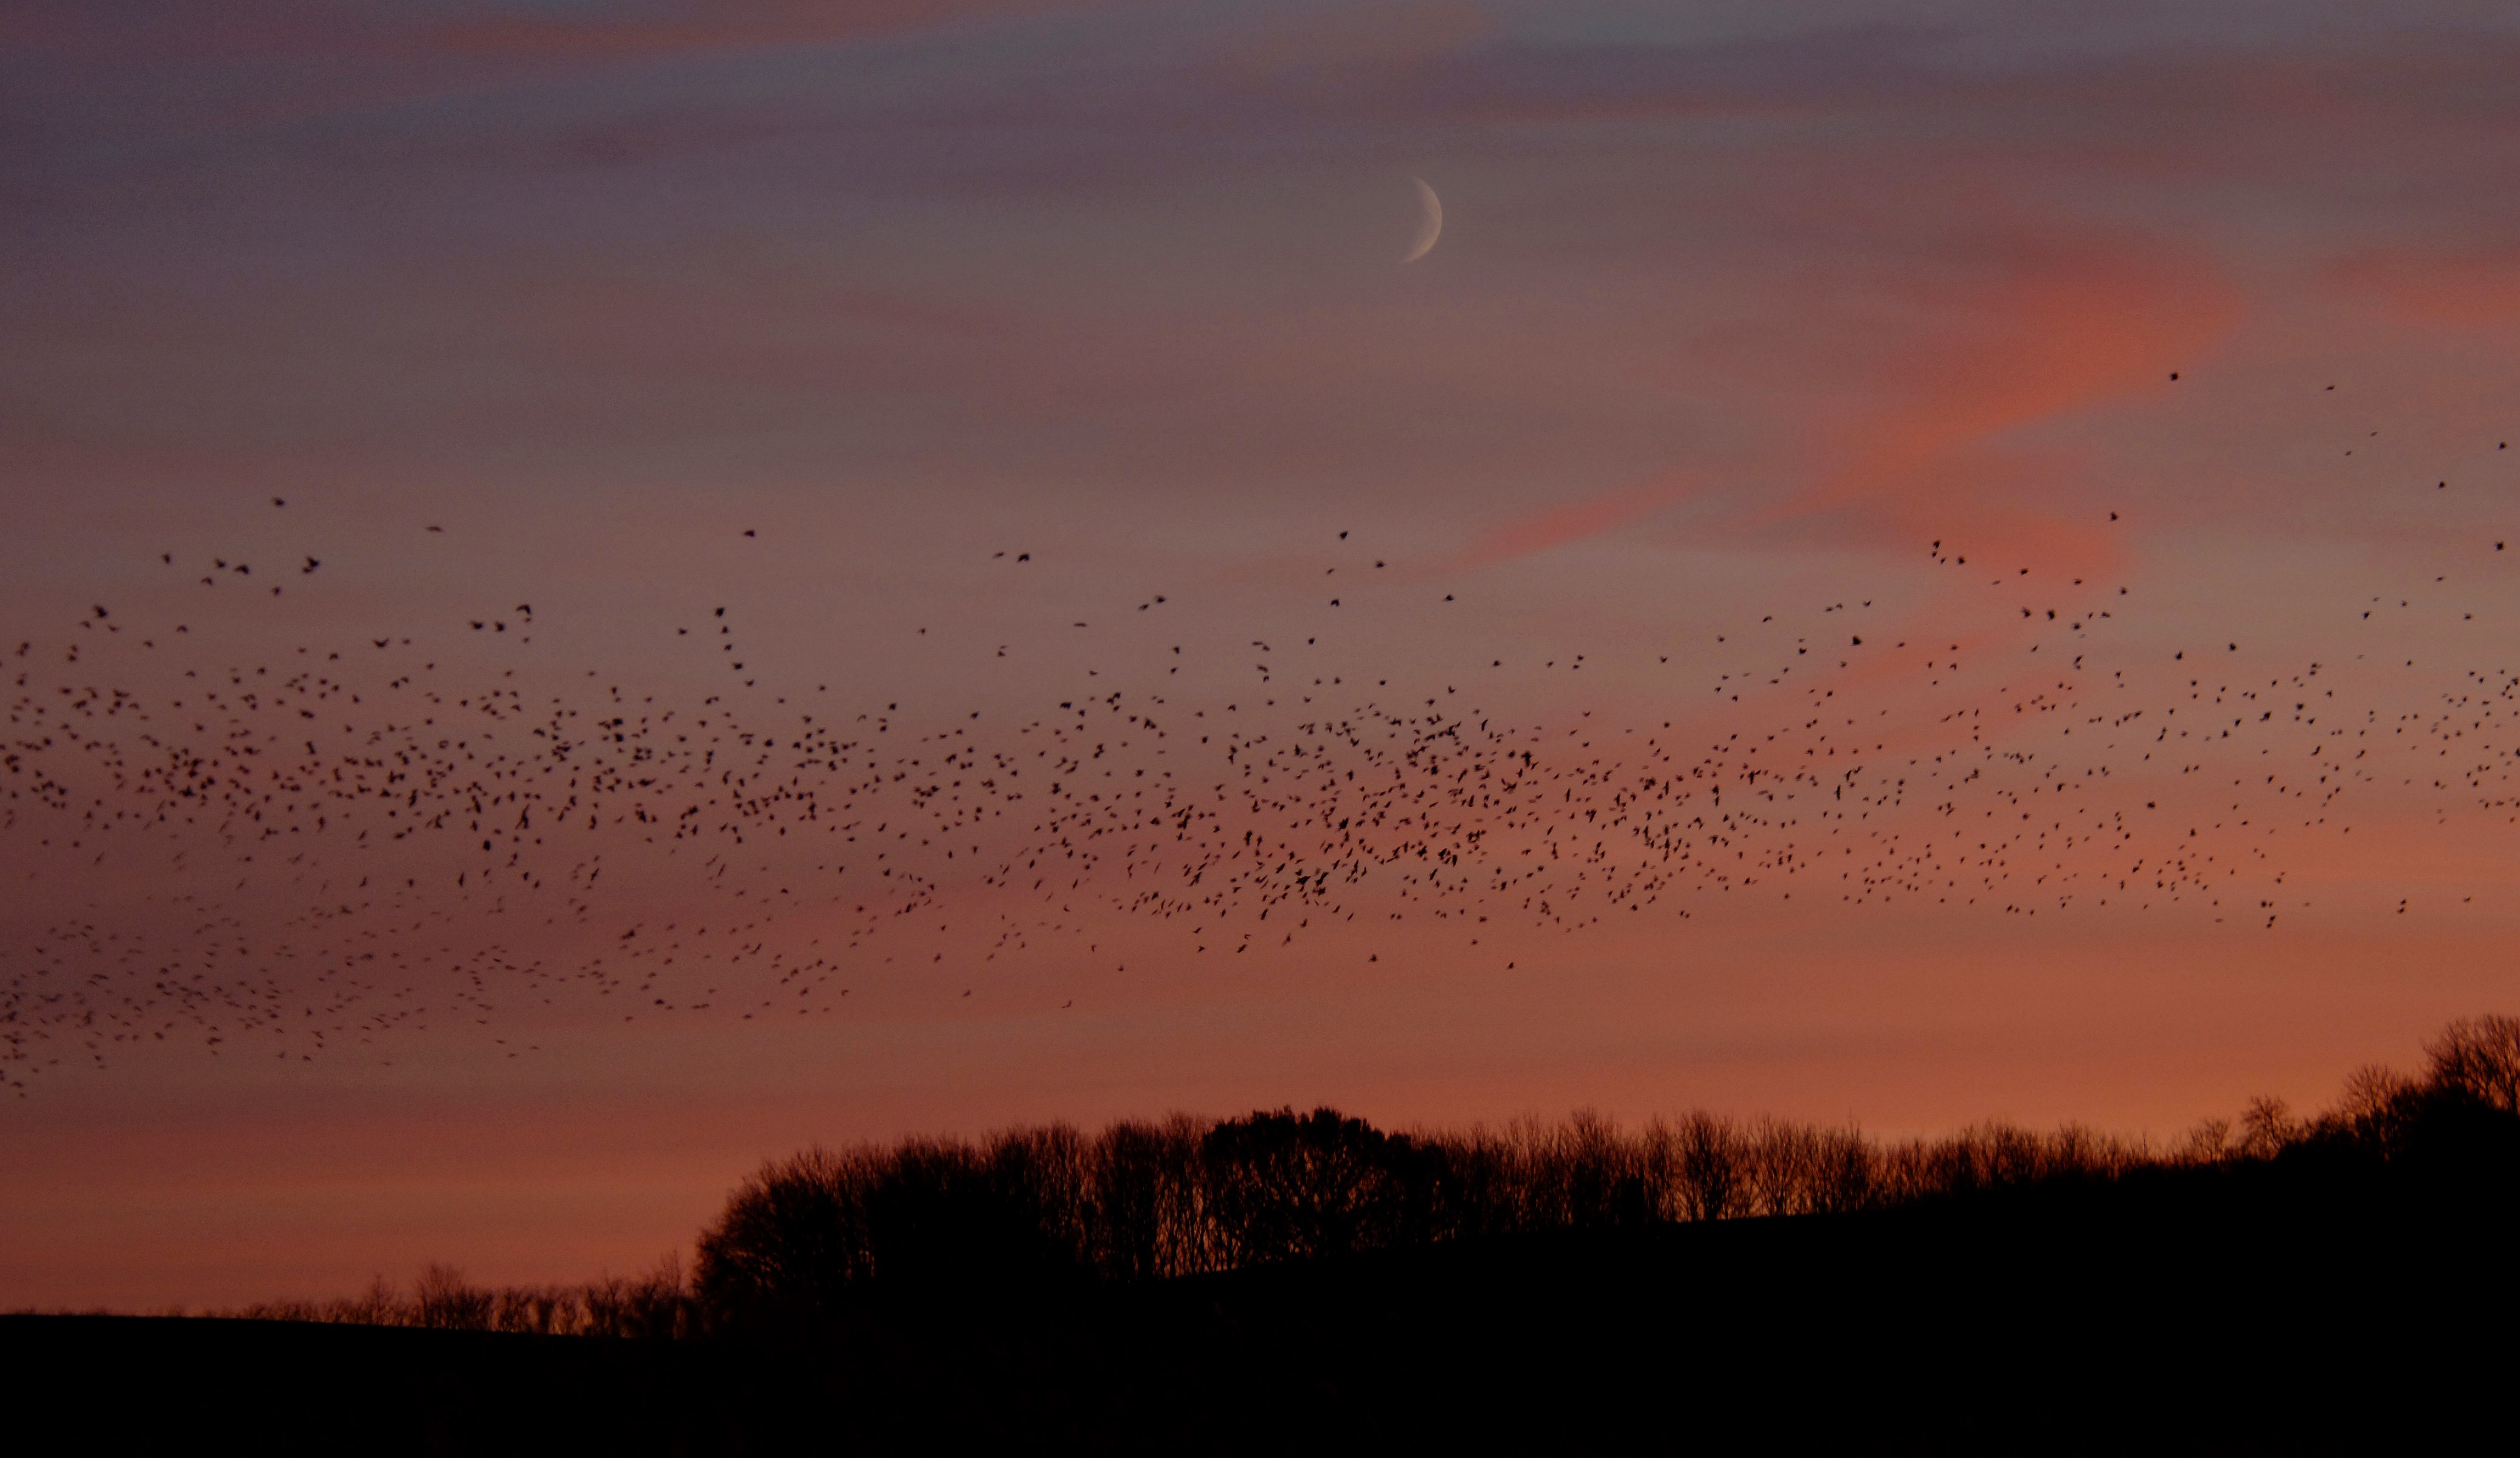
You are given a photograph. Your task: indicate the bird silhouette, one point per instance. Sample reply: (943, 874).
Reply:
(459, 832)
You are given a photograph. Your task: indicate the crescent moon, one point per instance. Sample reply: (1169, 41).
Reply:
(1430, 227)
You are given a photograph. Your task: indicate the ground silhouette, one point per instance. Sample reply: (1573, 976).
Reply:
(1285, 1283)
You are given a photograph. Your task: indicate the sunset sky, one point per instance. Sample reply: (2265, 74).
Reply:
(923, 345)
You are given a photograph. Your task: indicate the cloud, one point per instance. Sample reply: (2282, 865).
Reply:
(706, 25)
(2040, 322)
(1570, 521)
(308, 29)
(1908, 382)
(2463, 288)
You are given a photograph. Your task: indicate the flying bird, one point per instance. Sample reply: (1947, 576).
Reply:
(421, 807)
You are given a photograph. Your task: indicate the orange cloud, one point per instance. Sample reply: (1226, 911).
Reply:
(2070, 327)
(2043, 324)
(2471, 290)
(1572, 521)
(2036, 326)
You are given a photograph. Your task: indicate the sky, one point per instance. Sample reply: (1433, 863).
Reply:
(1894, 564)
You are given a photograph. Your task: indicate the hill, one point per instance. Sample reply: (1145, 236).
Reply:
(2195, 1312)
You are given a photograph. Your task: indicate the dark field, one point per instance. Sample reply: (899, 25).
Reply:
(2276, 1307)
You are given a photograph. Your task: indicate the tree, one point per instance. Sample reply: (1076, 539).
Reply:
(1287, 1187)
(443, 1300)
(792, 1242)
(2481, 1058)
(2266, 1127)
(1710, 1169)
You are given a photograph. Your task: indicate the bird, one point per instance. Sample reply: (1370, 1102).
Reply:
(370, 813)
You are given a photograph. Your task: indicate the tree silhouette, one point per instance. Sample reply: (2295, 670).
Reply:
(2480, 1057)
(1284, 1187)
(812, 1238)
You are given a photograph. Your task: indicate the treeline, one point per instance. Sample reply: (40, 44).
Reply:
(808, 1235)
(1186, 1197)
(1041, 1208)
(656, 1304)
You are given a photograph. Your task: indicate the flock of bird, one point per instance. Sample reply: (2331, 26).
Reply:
(352, 839)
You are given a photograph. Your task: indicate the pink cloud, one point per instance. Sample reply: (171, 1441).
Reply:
(2058, 325)
(2468, 289)
(1573, 521)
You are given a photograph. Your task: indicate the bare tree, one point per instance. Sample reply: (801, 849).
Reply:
(446, 1302)
(2480, 1057)
(1782, 1157)
(2209, 1142)
(2266, 1127)
(1284, 1187)
(1710, 1167)
(1843, 1173)
(793, 1237)
(1129, 1175)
